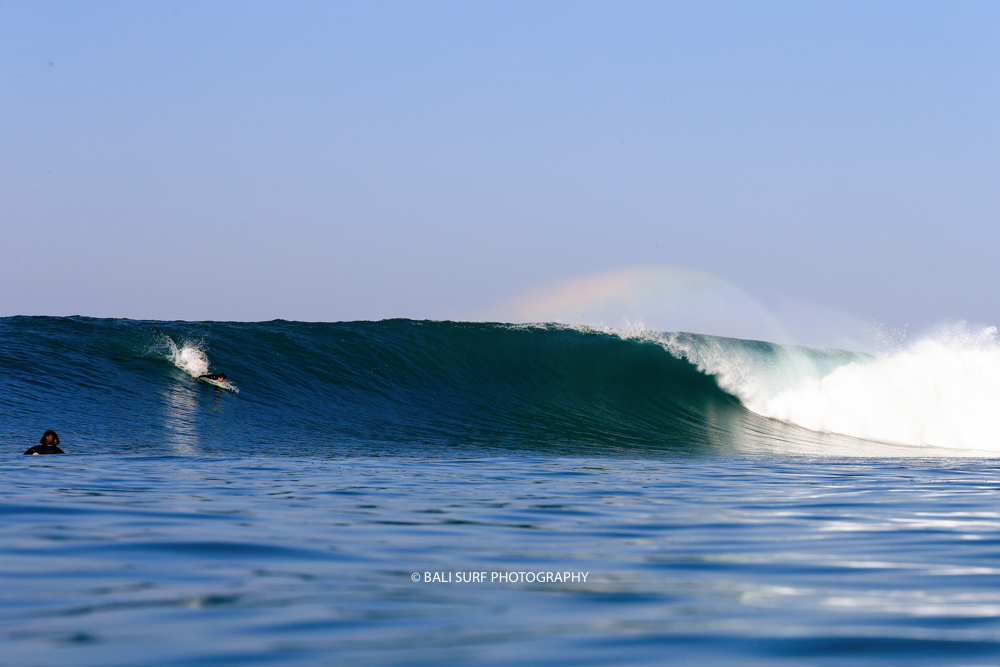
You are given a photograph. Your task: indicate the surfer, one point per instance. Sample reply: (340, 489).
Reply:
(49, 444)
(221, 377)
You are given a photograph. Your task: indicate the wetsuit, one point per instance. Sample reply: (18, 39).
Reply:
(209, 376)
(44, 449)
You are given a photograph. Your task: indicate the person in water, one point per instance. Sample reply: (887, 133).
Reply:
(221, 377)
(49, 444)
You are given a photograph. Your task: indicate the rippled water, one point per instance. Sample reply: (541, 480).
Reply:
(195, 560)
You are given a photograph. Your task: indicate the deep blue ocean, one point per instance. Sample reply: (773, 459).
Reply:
(410, 492)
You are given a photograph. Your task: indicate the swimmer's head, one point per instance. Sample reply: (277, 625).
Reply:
(222, 376)
(49, 438)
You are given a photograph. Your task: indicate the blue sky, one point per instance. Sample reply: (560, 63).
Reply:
(337, 161)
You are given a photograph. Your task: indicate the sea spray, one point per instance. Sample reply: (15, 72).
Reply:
(189, 357)
(942, 391)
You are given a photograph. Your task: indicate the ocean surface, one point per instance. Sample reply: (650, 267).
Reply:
(413, 492)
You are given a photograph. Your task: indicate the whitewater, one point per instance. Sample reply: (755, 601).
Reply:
(940, 391)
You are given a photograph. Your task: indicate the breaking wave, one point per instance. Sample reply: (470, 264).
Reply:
(412, 384)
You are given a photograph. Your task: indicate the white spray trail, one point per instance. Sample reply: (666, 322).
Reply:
(188, 358)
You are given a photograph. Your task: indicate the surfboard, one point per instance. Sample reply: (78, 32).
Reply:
(223, 384)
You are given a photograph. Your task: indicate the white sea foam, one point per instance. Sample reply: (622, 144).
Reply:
(188, 357)
(941, 391)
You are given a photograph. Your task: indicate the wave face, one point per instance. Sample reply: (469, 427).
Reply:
(406, 386)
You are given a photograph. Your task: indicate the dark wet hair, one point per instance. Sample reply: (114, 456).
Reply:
(222, 376)
(49, 438)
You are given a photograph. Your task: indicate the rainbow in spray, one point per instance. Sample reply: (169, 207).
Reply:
(653, 297)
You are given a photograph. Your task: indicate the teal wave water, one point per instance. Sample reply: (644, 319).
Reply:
(110, 385)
